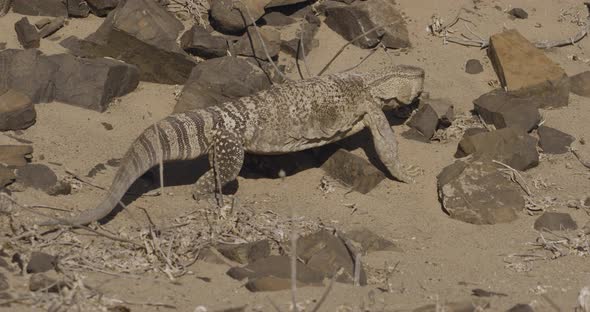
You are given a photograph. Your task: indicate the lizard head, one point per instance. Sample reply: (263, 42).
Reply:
(396, 85)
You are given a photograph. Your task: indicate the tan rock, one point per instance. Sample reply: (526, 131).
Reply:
(16, 111)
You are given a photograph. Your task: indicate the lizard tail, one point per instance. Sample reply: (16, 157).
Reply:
(176, 137)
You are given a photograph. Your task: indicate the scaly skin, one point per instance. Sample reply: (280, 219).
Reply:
(285, 118)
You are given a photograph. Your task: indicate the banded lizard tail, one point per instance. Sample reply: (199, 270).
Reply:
(285, 118)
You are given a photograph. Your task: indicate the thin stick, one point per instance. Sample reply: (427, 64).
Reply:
(357, 269)
(83, 180)
(350, 42)
(522, 181)
(160, 159)
(301, 46)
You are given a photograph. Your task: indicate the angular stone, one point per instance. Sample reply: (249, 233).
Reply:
(26, 34)
(553, 141)
(15, 155)
(220, 80)
(245, 253)
(41, 262)
(250, 45)
(477, 192)
(78, 8)
(55, 25)
(226, 17)
(502, 109)
(521, 307)
(523, 68)
(555, 221)
(580, 84)
(469, 132)
(473, 67)
(37, 176)
(311, 25)
(353, 171)
(7, 176)
(102, 7)
(29, 72)
(16, 111)
(519, 13)
(143, 33)
(350, 21)
(42, 22)
(431, 115)
(370, 241)
(200, 42)
(509, 146)
(327, 253)
(277, 19)
(40, 7)
(212, 255)
(5, 7)
(278, 3)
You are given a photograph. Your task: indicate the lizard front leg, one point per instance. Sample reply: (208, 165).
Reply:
(385, 143)
(226, 157)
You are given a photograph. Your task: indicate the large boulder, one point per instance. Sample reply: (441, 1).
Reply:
(102, 7)
(28, 72)
(198, 41)
(503, 109)
(40, 7)
(27, 35)
(226, 15)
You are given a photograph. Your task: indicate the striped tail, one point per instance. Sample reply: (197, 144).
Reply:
(177, 137)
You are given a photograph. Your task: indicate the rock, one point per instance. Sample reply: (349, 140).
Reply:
(469, 132)
(519, 13)
(16, 111)
(503, 109)
(509, 146)
(555, 221)
(101, 79)
(40, 7)
(142, 33)
(250, 45)
(274, 273)
(44, 282)
(370, 241)
(200, 42)
(37, 176)
(310, 28)
(350, 21)
(41, 262)
(476, 192)
(553, 141)
(432, 115)
(96, 169)
(7, 176)
(473, 67)
(353, 171)
(102, 7)
(521, 307)
(326, 253)
(277, 19)
(42, 22)
(2, 44)
(245, 253)
(52, 27)
(580, 84)
(220, 80)
(474, 305)
(526, 70)
(26, 34)
(278, 3)
(29, 72)
(226, 17)
(78, 8)
(15, 155)
(212, 255)
(5, 7)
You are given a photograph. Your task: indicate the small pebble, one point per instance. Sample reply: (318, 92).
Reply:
(473, 67)
(519, 13)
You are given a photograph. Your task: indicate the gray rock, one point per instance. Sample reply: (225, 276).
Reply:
(220, 80)
(519, 13)
(580, 84)
(509, 146)
(28, 72)
(200, 42)
(37, 176)
(245, 253)
(42, 22)
(521, 307)
(78, 8)
(352, 20)
(15, 155)
(250, 45)
(55, 25)
(476, 192)
(16, 111)
(102, 7)
(311, 25)
(40, 7)
(469, 132)
(278, 3)
(353, 171)
(555, 221)
(41, 262)
(226, 17)
(4, 285)
(26, 34)
(473, 67)
(277, 19)
(432, 114)
(5, 7)
(2, 45)
(553, 141)
(503, 109)
(7, 176)
(41, 281)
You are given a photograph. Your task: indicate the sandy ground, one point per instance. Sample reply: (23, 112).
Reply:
(442, 259)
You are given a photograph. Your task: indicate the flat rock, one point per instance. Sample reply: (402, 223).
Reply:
(326, 253)
(29, 72)
(503, 109)
(220, 80)
(477, 192)
(250, 45)
(580, 84)
(245, 253)
(553, 141)
(53, 26)
(102, 7)
(521, 67)
(17, 112)
(278, 3)
(277, 19)
(469, 132)
(432, 115)
(555, 221)
(78, 8)
(311, 25)
(200, 42)
(40, 7)
(353, 171)
(15, 155)
(370, 241)
(142, 33)
(41, 262)
(352, 20)
(7, 176)
(37, 176)
(473, 67)
(509, 146)
(27, 35)
(226, 17)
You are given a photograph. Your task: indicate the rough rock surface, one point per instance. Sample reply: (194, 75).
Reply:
(16, 111)
(102, 7)
(473, 67)
(78, 8)
(502, 110)
(353, 171)
(580, 84)
(200, 42)
(52, 27)
(40, 7)
(245, 253)
(29, 72)
(553, 141)
(555, 221)
(432, 115)
(226, 16)
(311, 25)
(15, 155)
(26, 34)
(250, 45)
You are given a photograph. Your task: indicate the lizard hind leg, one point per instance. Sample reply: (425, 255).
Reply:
(226, 157)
